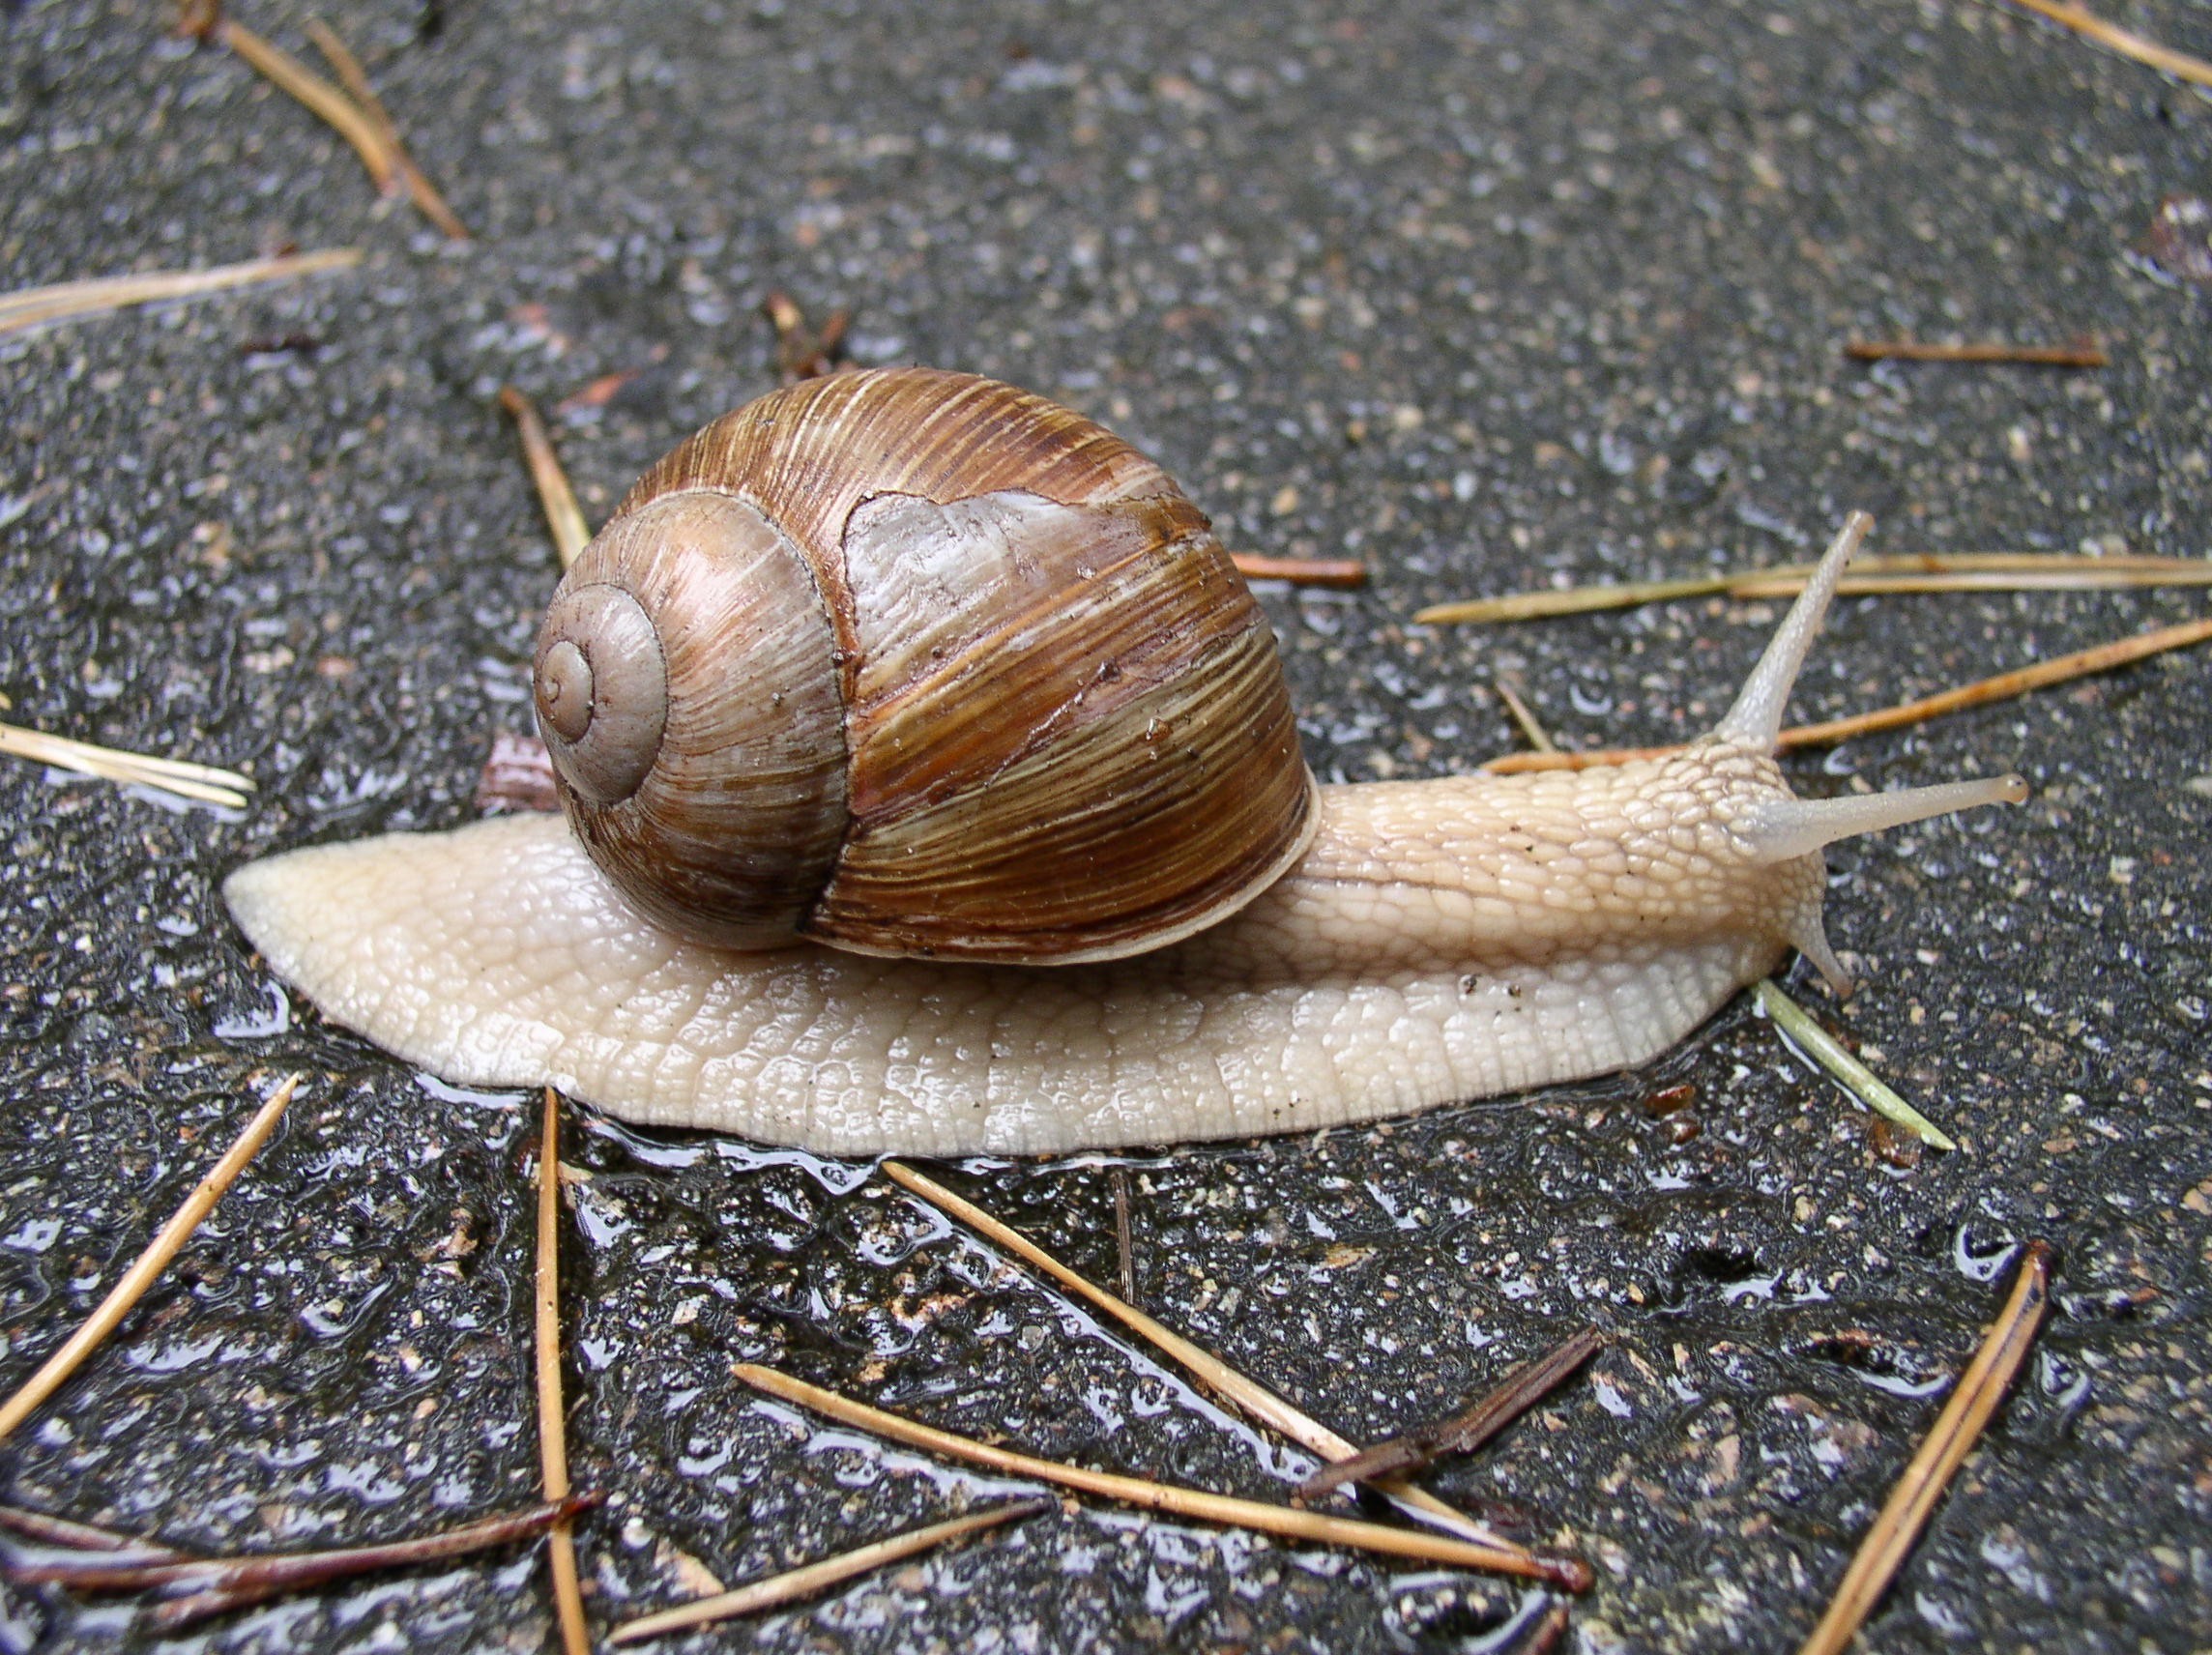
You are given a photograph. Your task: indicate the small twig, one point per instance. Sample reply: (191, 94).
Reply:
(2104, 658)
(1571, 1574)
(33, 305)
(204, 784)
(151, 1262)
(1922, 350)
(552, 1433)
(1803, 1030)
(798, 354)
(1906, 1513)
(1344, 573)
(355, 79)
(1254, 1398)
(2125, 42)
(562, 515)
(82, 1536)
(805, 1581)
(1124, 1242)
(336, 110)
(1519, 1391)
(1910, 573)
(198, 1587)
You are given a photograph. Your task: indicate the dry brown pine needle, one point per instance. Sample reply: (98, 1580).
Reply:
(165, 1245)
(810, 1579)
(2125, 42)
(198, 1587)
(552, 1436)
(1569, 1573)
(1919, 572)
(50, 1530)
(98, 296)
(357, 117)
(2082, 663)
(563, 518)
(1890, 1541)
(1343, 573)
(1247, 1394)
(1927, 351)
(355, 79)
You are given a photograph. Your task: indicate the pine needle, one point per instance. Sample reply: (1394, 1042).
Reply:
(34, 307)
(2061, 669)
(1532, 727)
(1571, 1574)
(2104, 658)
(1962, 571)
(60, 1532)
(2124, 42)
(1888, 1543)
(562, 515)
(806, 1582)
(1253, 1398)
(358, 117)
(1572, 601)
(198, 1587)
(355, 79)
(203, 784)
(552, 1430)
(142, 1275)
(1923, 349)
(323, 100)
(1804, 1031)
(1124, 1239)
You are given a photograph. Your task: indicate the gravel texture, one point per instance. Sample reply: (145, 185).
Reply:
(1490, 295)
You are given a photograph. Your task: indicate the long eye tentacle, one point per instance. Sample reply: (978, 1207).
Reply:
(1780, 828)
(1754, 721)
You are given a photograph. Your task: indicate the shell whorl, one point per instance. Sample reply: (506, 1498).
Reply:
(715, 805)
(949, 671)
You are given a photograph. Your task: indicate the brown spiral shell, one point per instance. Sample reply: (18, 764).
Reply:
(917, 663)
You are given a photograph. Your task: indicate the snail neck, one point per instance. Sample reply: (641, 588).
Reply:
(1634, 862)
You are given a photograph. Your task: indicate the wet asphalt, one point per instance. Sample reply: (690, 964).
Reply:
(1491, 296)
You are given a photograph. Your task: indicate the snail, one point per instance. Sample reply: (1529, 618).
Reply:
(930, 788)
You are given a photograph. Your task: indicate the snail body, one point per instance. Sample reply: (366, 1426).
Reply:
(1363, 951)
